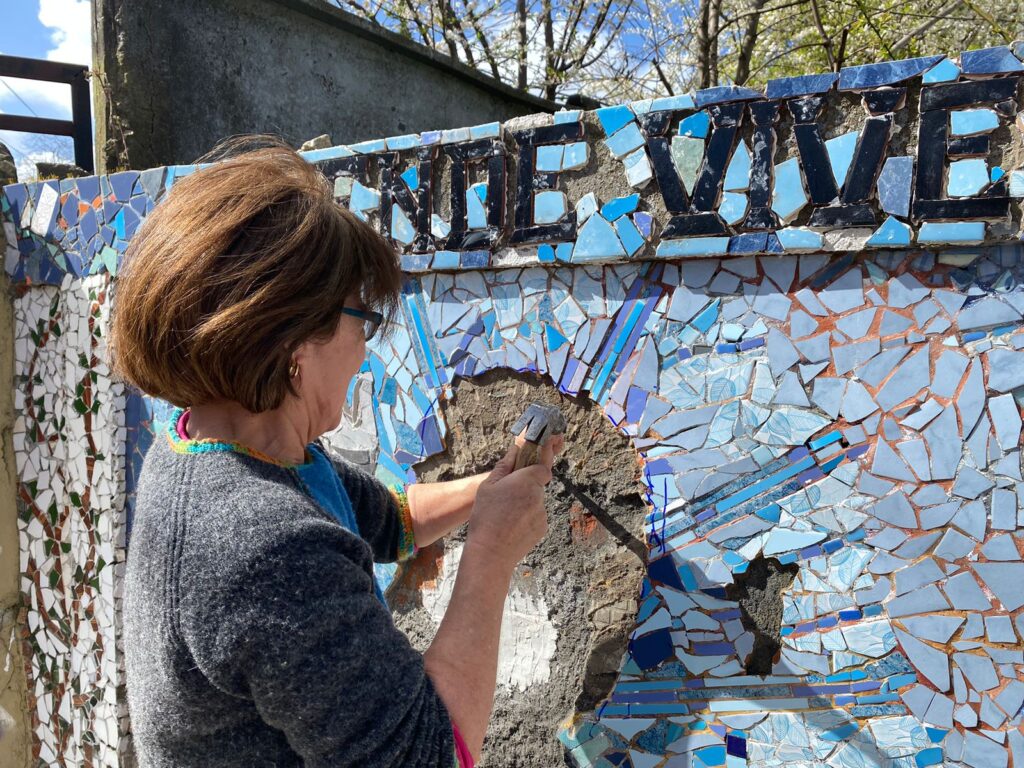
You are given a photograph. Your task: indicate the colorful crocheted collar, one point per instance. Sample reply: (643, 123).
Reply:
(177, 436)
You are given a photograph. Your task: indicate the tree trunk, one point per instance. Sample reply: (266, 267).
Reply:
(714, 23)
(746, 50)
(549, 51)
(702, 41)
(521, 53)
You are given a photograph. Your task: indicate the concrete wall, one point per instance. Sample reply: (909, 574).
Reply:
(176, 77)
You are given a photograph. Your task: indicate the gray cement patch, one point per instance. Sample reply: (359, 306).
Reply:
(759, 590)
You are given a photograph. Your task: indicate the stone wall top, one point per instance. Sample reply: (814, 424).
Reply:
(923, 152)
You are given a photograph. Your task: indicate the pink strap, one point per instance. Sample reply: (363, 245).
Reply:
(461, 750)
(182, 425)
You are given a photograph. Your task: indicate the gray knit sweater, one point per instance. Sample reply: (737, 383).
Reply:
(252, 634)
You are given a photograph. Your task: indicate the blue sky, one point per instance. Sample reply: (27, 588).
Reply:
(58, 30)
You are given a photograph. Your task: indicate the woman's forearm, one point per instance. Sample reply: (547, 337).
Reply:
(463, 659)
(439, 508)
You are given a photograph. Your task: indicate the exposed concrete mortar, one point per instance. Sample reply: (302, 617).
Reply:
(587, 570)
(759, 590)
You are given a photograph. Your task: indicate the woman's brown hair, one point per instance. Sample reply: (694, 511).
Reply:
(241, 263)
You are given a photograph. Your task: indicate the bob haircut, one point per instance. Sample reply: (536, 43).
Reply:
(243, 261)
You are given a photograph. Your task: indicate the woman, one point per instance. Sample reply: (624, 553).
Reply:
(254, 632)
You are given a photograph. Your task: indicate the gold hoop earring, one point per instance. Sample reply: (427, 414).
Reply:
(293, 369)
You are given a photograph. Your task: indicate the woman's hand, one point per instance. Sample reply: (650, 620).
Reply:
(508, 517)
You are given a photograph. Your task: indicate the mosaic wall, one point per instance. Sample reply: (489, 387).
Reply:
(804, 307)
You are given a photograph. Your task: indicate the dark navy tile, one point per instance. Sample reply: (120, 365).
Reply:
(803, 85)
(884, 73)
(723, 93)
(990, 61)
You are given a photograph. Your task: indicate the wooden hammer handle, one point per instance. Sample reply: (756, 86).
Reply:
(528, 455)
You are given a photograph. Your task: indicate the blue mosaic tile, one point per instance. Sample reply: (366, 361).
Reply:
(945, 71)
(725, 93)
(958, 232)
(966, 122)
(894, 185)
(892, 233)
(990, 61)
(884, 73)
(967, 177)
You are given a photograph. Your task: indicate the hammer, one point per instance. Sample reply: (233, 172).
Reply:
(541, 422)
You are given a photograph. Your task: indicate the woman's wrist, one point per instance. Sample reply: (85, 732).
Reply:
(489, 553)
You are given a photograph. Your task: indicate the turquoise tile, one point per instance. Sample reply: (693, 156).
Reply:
(476, 213)
(892, 232)
(549, 206)
(586, 206)
(597, 239)
(369, 147)
(445, 260)
(799, 239)
(696, 125)
(683, 101)
(629, 235)
(952, 232)
(485, 131)
(363, 199)
(620, 206)
(613, 118)
(965, 122)
(567, 116)
(707, 317)
(840, 155)
(733, 207)
(789, 196)
(402, 229)
(411, 176)
(625, 140)
(403, 142)
(549, 157)
(693, 246)
(943, 72)
(737, 175)
(575, 155)
(316, 155)
(638, 168)
(967, 177)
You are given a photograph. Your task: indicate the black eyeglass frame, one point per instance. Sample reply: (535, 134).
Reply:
(371, 319)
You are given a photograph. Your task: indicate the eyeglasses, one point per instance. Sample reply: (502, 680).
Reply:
(371, 319)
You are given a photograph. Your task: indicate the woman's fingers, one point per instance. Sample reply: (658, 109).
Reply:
(505, 464)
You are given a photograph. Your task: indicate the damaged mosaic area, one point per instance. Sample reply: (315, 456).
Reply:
(855, 417)
(833, 386)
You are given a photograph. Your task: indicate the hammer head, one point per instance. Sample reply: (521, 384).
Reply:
(540, 422)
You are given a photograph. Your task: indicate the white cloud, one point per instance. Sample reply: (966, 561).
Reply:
(70, 25)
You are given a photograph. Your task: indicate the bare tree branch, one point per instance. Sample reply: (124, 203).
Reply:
(826, 41)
